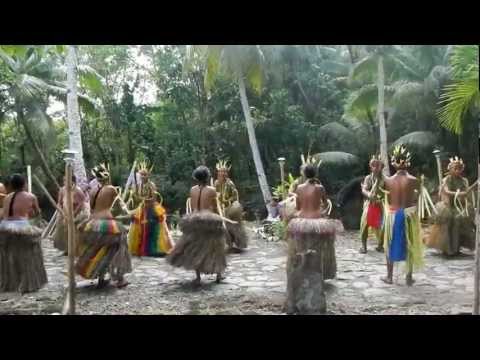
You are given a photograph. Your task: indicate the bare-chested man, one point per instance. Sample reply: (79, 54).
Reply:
(81, 212)
(3, 194)
(20, 241)
(311, 248)
(454, 224)
(402, 224)
(202, 245)
(372, 213)
(103, 245)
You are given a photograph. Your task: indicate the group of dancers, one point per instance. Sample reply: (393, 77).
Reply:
(213, 226)
(104, 243)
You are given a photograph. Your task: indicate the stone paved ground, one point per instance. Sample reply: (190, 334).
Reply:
(255, 284)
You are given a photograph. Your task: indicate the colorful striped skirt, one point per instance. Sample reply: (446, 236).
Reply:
(148, 235)
(103, 248)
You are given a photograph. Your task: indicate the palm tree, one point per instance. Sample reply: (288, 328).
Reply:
(74, 127)
(244, 63)
(462, 96)
(460, 99)
(35, 74)
(28, 88)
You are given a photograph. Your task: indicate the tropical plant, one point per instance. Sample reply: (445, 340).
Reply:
(462, 97)
(243, 63)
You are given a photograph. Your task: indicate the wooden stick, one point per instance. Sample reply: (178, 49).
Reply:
(49, 197)
(476, 284)
(51, 223)
(29, 178)
(127, 185)
(69, 306)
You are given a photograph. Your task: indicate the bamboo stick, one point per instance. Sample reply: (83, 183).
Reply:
(29, 178)
(51, 224)
(47, 194)
(476, 285)
(69, 306)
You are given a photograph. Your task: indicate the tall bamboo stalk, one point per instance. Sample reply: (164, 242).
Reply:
(69, 306)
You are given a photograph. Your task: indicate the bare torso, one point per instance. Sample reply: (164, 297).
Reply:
(25, 206)
(204, 199)
(310, 200)
(79, 199)
(3, 194)
(101, 201)
(403, 189)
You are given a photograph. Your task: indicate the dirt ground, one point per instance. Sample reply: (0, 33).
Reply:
(255, 284)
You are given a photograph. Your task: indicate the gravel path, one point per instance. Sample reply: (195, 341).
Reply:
(255, 284)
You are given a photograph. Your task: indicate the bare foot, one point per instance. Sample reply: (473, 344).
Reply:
(122, 283)
(362, 250)
(386, 280)
(102, 283)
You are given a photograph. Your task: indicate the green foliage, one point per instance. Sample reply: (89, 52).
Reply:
(300, 100)
(464, 94)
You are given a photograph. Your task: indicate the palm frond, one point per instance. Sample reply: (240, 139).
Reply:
(366, 67)
(456, 102)
(30, 86)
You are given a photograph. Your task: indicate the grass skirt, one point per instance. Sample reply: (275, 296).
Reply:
(148, 235)
(237, 233)
(60, 239)
(202, 244)
(21, 258)
(318, 235)
(413, 239)
(450, 230)
(103, 248)
(365, 226)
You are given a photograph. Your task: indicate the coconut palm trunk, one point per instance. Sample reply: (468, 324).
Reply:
(43, 162)
(262, 179)
(381, 116)
(73, 116)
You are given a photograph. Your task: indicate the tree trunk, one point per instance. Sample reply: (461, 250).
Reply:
(43, 161)
(73, 117)
(262, 179)
(476, 285)
(381, 117)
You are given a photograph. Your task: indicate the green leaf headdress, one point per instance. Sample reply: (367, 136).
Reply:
(401, 156)
(101, 172)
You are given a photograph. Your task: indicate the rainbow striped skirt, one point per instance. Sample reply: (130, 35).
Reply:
(148, 235)
(103, 248)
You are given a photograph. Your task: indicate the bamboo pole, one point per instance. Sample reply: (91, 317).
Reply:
(50, 225)
(47, 194)
(476, 285)
(69, 305)
(29, 178)
(128, 184)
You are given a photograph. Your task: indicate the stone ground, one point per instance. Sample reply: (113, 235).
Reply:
(255, 284)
